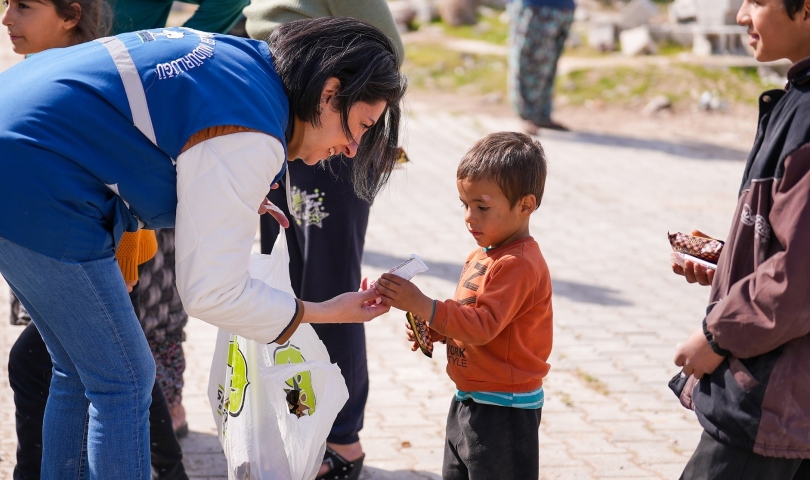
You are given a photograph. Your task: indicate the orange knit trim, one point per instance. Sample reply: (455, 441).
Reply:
(213, 132)
(135, 248)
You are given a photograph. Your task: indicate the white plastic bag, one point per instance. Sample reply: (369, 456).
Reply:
(248, 388)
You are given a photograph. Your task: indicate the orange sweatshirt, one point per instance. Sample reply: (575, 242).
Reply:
(499, 324)
(135, 248)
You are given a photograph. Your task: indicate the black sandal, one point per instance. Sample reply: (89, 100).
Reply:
(340, 468)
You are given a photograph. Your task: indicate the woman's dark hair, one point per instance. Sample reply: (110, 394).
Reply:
(792, 7)
(309, 52)
(94, 17)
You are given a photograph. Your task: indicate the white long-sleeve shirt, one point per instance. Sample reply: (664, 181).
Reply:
(221, 182)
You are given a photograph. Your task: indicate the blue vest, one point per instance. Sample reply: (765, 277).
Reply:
(88, 144)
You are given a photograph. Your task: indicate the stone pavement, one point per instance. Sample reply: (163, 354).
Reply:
(619, 312)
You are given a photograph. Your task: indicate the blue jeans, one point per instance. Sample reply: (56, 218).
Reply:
(96, 422)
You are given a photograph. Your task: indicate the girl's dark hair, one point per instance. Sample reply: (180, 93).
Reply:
(309, 52)
(95, 17)
(793, 6)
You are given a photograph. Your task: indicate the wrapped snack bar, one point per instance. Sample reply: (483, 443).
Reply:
(422, 333)
(700, 250)
(703, 248)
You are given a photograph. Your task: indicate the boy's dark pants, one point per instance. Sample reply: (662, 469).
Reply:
(715, 460)
(486, 442)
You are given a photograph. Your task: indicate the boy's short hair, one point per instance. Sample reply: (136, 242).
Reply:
(793, 6)
(515, 162)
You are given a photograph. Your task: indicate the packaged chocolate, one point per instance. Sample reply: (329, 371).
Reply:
(422, 333)
(707, 249)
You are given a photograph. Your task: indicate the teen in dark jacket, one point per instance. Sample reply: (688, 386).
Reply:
(752, 354)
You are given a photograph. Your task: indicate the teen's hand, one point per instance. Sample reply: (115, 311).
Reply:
(695, 273)
(130, 285)
(696, 356)
(268, 207)
(404, 295)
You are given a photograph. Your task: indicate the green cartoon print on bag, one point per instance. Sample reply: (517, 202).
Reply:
(300, 395)
(239, 379)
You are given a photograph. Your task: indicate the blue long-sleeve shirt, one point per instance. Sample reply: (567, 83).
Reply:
(561, 4)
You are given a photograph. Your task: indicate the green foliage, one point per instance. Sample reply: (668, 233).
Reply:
(681, 83)
(436, 68)
(489, 29)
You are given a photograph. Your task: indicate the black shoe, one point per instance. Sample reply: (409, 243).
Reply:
(532, 128)
(340, 468)
(552, 125)
(182, 431)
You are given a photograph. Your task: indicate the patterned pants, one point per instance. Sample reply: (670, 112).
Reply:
(170, 363)
(162, 317)
(537, 36)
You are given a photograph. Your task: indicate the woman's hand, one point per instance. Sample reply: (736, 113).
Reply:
(353, 307)
(404, 295)
(130, 285)
(268, 207)
(694, 272)
(696, 356)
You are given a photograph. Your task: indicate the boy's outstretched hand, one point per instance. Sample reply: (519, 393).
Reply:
(404, 295)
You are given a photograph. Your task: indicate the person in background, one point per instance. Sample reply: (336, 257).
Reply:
(328, 232)
(216, 16)
(751, 353)
(537, 33)
(498, 326)
(163, 319)
(34, 27)
(82, 177)
(160, 309)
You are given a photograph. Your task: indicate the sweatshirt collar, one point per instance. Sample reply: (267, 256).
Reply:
(799, 73)
(485, 252)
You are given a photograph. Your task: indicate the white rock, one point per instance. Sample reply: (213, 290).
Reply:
(717, 12)
(681, 11)
(403, 12)
(602, 36)
(636, 13)
(661, 102)
(701, 45)
(637, 41)
(426, 11)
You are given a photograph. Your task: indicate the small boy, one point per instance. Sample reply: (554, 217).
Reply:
(752, 353)
(498, 326)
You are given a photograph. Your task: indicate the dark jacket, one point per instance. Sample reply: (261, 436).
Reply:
(759, 311)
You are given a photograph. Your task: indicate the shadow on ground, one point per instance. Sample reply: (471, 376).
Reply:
(371, 473)
(683, 148)
(203, 457)
(574, 291)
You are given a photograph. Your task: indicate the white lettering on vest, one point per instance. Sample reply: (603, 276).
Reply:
(196, 58)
